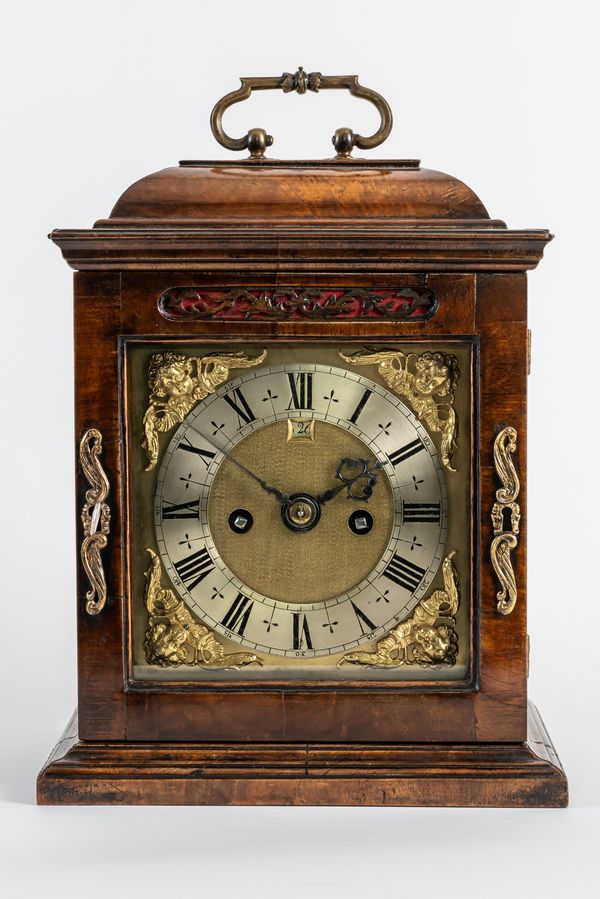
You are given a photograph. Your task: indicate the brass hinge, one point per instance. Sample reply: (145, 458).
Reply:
(528, 351)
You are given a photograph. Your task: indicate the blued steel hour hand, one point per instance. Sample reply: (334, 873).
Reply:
(350, 472)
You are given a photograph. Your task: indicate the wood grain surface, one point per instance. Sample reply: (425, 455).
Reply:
(443, 774)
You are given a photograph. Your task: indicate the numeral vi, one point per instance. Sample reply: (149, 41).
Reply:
(300, 632)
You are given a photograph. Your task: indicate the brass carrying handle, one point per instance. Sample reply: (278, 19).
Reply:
(344, 140)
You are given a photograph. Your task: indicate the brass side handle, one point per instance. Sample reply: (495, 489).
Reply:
(344, 140)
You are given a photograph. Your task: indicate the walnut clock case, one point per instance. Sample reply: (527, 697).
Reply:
(301, 434)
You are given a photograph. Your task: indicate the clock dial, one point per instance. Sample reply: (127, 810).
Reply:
(301, 510)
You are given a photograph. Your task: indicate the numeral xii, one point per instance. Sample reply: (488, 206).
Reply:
(301, 388)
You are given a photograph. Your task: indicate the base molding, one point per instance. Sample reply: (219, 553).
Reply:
(444, 774)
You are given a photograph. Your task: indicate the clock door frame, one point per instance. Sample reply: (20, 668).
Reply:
(466, 571)
(491, 308)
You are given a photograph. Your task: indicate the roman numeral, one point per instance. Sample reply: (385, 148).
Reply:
(366, 625)
(301, 632)
(194, 568)
(404, 573)
(180, 510)
(361, 405)
(240, 406)
(421, 512)
(206, 455)
(238, 614)
(405, 452)
(301, 390)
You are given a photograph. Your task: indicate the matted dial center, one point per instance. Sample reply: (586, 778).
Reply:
(297, 552)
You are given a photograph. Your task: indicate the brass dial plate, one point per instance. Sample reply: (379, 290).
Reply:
(300, 595)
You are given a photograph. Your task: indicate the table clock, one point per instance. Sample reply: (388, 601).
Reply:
(301, 477)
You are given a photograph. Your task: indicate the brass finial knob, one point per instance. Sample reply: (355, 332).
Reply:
(257, 141)
(343, 141)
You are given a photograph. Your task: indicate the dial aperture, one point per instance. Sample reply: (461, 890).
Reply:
(342, 544)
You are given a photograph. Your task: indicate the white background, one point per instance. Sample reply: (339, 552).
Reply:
(95, 95)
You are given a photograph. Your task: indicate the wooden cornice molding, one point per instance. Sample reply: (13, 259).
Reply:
(315, 248)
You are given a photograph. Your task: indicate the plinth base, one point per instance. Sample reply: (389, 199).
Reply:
(443, 774)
